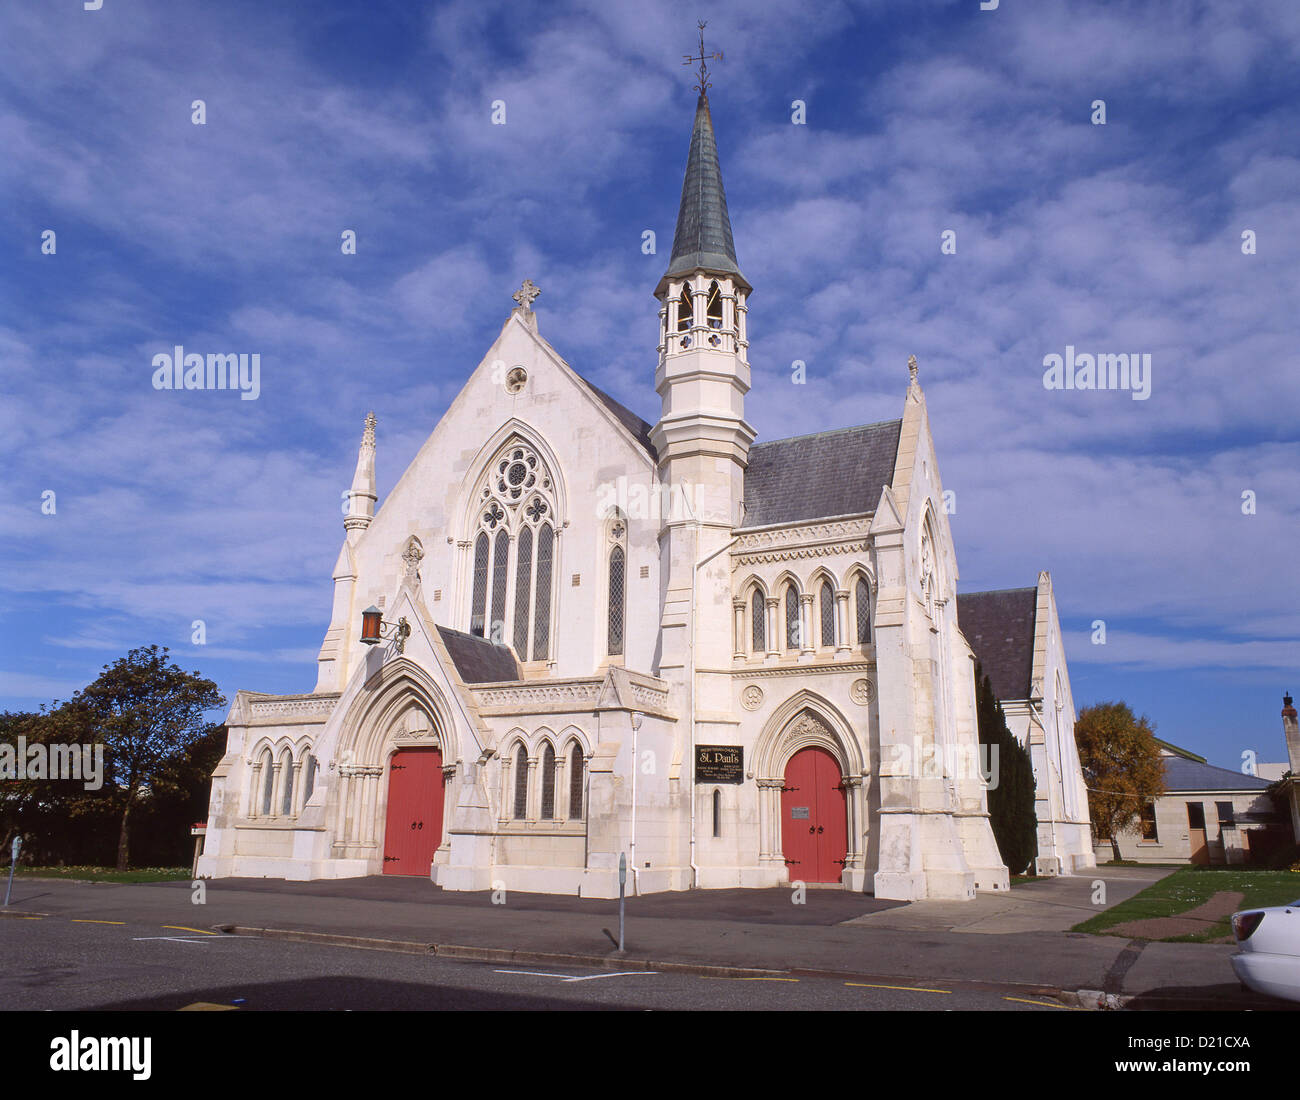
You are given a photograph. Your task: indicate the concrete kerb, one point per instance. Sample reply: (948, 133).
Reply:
(620, 961)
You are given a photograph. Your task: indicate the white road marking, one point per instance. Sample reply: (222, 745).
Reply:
(174, 939)
(575, 978)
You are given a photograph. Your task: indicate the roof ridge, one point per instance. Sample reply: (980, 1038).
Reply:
(829, 431)
(998, 591)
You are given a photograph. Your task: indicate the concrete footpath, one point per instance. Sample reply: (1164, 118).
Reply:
(1018, 941)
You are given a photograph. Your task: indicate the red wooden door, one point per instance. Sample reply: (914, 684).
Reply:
(814, 819)
(415, 795)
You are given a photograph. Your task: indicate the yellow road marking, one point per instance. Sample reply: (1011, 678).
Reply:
(908, 988)
(208, 1006)
(1045, 1004)
(27, 918)
(80, 920)
(182, 928)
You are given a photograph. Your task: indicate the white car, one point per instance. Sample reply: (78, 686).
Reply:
(1268, 950)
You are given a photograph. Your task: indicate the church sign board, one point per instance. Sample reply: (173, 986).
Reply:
(719, 764)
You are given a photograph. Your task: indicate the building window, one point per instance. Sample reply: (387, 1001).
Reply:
(1147, 820)
(521, 784)
(713, 307)
(480, 585)
(717, 813)
(268, 782)
(286, 782)
(684, 311)
(1226, 816)
(516, 513)
(576, 782)
(758, 621)
(308, 777)
(617, 571)
(791, 617)
(862, 598)
(828, 614)
(542, 600)
(548, 782)
(523, 590)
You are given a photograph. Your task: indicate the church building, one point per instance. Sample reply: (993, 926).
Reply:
(567, 636)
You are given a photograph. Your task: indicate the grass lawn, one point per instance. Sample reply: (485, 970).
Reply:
(1189, 887)
(105, 874)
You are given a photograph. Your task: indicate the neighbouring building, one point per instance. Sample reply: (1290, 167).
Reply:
(1016, 635)
(1207, 815)
(568, 635)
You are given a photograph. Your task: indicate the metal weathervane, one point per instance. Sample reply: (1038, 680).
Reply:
(703, 86)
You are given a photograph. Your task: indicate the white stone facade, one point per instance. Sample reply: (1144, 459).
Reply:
(614, 571)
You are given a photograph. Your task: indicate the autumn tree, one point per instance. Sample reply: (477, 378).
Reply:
(1121, 765)
(146, 711)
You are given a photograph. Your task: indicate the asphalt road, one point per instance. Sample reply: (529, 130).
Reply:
(64, 964)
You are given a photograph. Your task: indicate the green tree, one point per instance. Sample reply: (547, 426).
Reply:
(1011, 793)
(147, 711)
(1121, 765)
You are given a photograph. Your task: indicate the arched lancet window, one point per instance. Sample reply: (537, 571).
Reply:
(758, 621)
(542, 602)
(862, 606)
(713, 307)
(548, 782)
(717, 812)
(685, 310)
(500, 562)
(515, 544)
(521, 783)
(268, 782)
(577, 782)
(308, 777)
(286, 783)
(792, 639)
(523, 590)
(617, 570)
(828, 613)
(479, 611)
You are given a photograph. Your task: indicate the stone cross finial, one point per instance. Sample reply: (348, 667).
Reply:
(368, 436)
(527, 294)
(911, 367)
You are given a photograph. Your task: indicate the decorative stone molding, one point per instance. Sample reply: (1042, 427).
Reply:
(292, 704)
(825, 550)
(752, 697)
(563, 696)
(836, 530)
(862, 692)
(805, 669)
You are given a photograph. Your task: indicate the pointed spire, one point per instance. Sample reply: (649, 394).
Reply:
(362, 495)
(703, 236)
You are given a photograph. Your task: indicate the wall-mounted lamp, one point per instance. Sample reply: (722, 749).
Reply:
(372, 628)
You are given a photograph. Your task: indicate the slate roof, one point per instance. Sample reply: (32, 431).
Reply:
(808, 477)
(703, 236)
(625, 416)
(476, 659)
(1000, 628)
(1188, 775)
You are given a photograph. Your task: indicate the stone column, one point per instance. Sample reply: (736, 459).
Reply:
(773, 640)
(738, 607)
(842, 635)
(806, 646)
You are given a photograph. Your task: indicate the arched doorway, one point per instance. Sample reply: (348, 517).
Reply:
(415, 804)
(814, 819)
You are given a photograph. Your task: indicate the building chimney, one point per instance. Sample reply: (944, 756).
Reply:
(1292, 731)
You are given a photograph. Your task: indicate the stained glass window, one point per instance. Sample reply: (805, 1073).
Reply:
(616, 575)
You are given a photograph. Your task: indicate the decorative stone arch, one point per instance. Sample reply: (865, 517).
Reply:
(466, 515)
(823, 576)
(808, 720)
(859, 571)
(399, 707)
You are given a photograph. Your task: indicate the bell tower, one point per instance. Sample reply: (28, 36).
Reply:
(702, 439)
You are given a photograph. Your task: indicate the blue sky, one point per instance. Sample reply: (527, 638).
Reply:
(922, 117)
